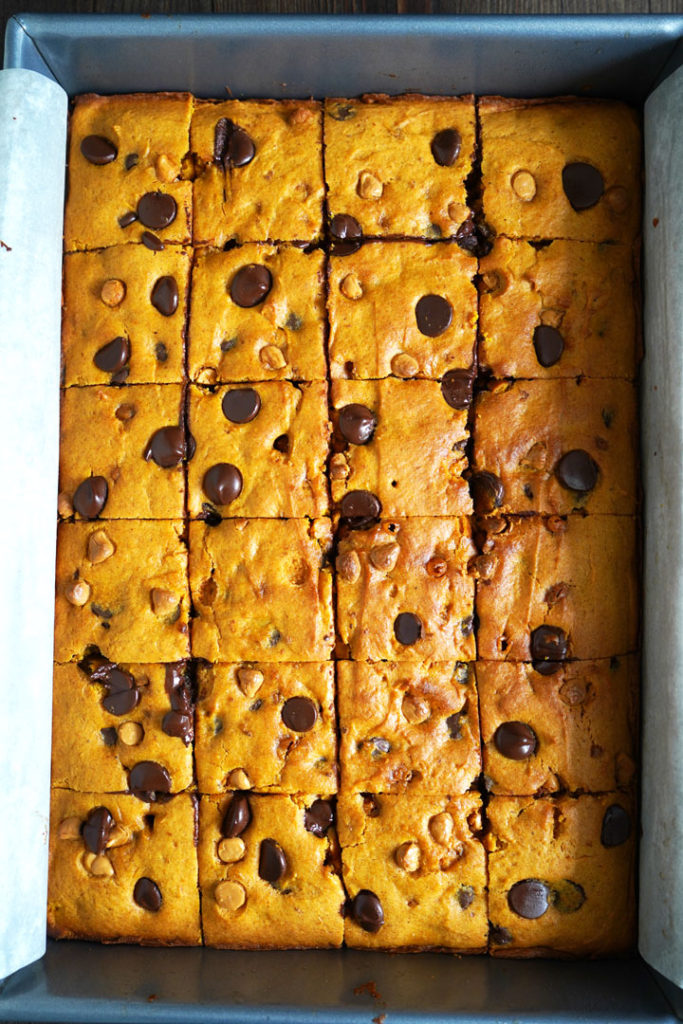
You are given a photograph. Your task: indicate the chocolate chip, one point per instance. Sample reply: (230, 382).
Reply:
(434, 315)
(454, 725)
(222, 483)
(113, 356)
(548, 344)
(147, 894)
(98, 150)
(357, 423)
(319, 817)
(500, 936)
(294, 322)
(529, 899)
(241, 405)
(487, 491)
(250, 285)
(131, 161)
(360, 509)
(166, 447)
(121, 694)
(367, 911)
(109, 736)
(456, 388)
(345, 228)
(228, 344)
(299, 714)
(515, 740)
(272, 863)
(233, 147)
(616, 826)
(91, 497)
(176, 723)
(237, 816)
(125, 412)
(157, 210)
(281, 444)
(407, 628)
(567, 897)
(96, 829)
(465, 896)
(126, 219)
(371, 805)
(147, 779)
(577, 471)
(210, 516)
(548, 643)
(583, 185)
(151, 241)
(161, 352)
(164, 295)
(446, 147)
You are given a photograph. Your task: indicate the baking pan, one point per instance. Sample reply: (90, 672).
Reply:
(624, 57)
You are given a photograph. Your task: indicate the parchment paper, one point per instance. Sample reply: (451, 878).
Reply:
(33, 113)
(661, 851)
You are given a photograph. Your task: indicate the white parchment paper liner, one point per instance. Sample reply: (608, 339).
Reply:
(33, 115)
(661, 851)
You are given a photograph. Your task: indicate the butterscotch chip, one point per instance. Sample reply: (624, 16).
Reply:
(207, 375)
(408, 857)
(100, 548)
(69, 828)
(249, 681)
(441, 827)
(167, 169)
(77, 593)
(384, 556)
(339, 467)
(101, 867)
(369, 186)
(231, 850)
(113, 292)
(64, 505)
(272, 357)
(404, 365)
(414, 710)
(238, 779)
(164, 602)
(131, 733)
(351, 287)
(524, 185)
(348, 566)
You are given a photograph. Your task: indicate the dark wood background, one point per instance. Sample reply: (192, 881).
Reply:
(8, 7)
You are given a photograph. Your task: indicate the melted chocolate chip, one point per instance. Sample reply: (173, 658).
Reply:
(465, 896)
(345, 228)
(241, 405)
(272, 862)
(500, 936)
(250, 285)
(98, 150)
(233, 147)
(549, 643)
(515, 740)
(147, 779)
(583, 185)
(121, 694)
(164, 296)
(109, 736)
(237, 816)
(299, 714)
(577, 471)
(367, 911)
(546, 668)
(434, 315)
(454, 725)
(96, 829)
(222, 483)
(616, 826)
(281, 444)
(407, 628)
(360, 509)
(446, 147)
(319, 817)
(176, 723)
(147, 894)
(548, 344)
(529, 899)
(91, 497)
(161, 352)
(487, 492)
(357, 423)
(456, 388)
(151, 241)
(166, 447)
(131, 161)
(157, 210)
(113, 356)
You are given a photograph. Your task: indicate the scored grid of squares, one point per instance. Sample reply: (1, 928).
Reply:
(399, 323)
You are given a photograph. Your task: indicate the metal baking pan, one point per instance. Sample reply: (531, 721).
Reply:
(262, 56)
